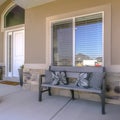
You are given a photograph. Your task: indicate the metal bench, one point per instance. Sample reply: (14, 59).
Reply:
(97, 81)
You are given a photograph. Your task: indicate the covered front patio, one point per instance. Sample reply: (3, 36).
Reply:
(61, 33)
(17, 103)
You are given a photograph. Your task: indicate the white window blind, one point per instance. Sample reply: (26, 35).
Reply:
(62, 43)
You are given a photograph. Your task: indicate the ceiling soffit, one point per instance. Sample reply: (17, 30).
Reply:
(31, 3)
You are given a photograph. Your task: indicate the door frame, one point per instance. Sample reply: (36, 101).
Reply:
(10, 29)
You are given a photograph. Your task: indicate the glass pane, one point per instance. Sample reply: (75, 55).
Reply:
(9, 52)
(14, 17)
(62, 43)
(88, 40)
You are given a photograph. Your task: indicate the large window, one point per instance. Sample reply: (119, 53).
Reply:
(78, 41)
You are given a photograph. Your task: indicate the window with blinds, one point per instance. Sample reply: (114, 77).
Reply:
(78, 41)
(62, 43)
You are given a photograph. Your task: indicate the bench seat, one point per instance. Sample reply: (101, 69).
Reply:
(72, 87)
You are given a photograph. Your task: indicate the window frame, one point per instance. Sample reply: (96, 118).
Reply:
(73, 34)
(106, 9)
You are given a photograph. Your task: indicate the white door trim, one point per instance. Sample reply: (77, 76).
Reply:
(11, 29)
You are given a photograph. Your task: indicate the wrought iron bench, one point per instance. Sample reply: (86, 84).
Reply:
(96, 81)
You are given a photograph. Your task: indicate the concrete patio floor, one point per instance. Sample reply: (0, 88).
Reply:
(17, 103)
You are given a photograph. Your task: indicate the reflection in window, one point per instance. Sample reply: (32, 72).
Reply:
(88, 40)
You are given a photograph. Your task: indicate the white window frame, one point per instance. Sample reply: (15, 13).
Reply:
(73, 33)
(106, 37)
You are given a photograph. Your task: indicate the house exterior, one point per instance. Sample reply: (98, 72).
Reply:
(38, 37)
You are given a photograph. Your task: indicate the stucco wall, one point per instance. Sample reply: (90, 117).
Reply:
(35, 25)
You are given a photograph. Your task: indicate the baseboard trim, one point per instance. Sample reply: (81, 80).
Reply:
(36, 66)
(113, 68)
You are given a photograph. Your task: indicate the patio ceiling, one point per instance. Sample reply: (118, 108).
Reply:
(28, 3)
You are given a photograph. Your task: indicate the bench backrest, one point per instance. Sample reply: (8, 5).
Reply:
(74, 71)
(96, 79)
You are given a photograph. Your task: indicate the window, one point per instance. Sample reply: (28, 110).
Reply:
(14, 16)
(78, 41)
(62, 43)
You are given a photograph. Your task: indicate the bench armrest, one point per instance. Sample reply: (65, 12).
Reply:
(41, 78)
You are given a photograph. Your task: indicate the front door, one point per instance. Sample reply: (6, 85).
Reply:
(15, 52)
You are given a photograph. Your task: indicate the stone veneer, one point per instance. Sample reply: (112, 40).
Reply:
(31, 81)
(113, 87)
(31, 78)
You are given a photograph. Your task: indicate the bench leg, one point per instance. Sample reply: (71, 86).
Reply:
(40, 94)
(49, 91)
(103, 103)
(72, 93)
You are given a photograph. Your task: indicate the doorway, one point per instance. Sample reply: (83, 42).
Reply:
(15, 41)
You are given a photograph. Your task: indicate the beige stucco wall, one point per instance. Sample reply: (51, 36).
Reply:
(35, 25)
